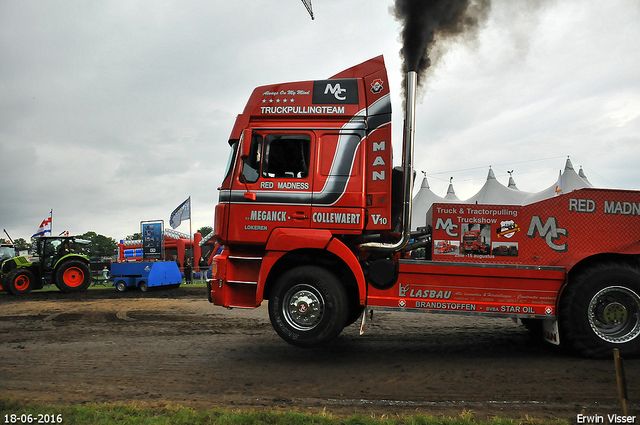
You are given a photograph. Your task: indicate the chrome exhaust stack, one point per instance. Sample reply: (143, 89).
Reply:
(407, 169)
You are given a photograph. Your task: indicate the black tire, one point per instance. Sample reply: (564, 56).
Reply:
(73, 276)
(355, 312)
(121, 285)
(20, 281)
(308, 306)
(143, 286)
(600, 311)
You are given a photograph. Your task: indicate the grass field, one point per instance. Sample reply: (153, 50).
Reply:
(12, 411)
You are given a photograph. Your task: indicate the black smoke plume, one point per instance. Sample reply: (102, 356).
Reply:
(427, 22)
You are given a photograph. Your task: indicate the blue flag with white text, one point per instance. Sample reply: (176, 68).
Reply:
(183, 212)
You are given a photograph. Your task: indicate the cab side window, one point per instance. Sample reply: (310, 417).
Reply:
(286, 156)
(251, 166)
(50, 252)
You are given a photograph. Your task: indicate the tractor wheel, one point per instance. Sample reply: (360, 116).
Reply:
(308, 306)
(143, 286)
(73, 276)
(121, 285)
(20, 281)
(600, 311)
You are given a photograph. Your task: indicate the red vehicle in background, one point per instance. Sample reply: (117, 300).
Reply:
(474, 243)
(444, 247)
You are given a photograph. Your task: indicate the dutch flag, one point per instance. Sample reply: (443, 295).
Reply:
(45, 227)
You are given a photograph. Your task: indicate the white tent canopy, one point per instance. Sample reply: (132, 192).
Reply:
(568, 181)
(451, 194)
(581, 174)
(423, 201)
(494, 192)
(512, 182)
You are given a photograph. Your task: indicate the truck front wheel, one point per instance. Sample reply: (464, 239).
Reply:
(73, 276)
(600, 311)
(121, 285)
(308, 306)
(20, 281)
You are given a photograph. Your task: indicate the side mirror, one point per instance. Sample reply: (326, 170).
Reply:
(245, 143)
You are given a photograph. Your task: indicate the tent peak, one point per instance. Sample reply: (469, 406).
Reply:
(568, 165)
(425, 182)
(491, 175)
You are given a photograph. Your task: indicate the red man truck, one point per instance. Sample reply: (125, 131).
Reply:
(313, 217)
(474, 243)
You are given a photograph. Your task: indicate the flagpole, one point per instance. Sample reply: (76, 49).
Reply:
(191, 239)
(51, 232)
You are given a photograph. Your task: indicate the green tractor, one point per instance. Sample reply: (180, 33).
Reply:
(56, 260)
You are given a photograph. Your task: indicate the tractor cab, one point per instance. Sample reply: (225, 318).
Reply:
(52, 249)
(7, 251)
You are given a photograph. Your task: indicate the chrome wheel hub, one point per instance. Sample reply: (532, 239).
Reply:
(303, 307)
(614, 314)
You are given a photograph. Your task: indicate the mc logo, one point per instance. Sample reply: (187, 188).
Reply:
(549, 231)
(336, 91)
(447, 226)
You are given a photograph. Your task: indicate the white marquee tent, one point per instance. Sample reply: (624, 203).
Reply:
(494, 192)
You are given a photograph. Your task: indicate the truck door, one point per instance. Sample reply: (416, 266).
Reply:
(272, 186)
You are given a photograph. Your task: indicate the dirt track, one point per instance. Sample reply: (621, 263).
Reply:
(172, 346)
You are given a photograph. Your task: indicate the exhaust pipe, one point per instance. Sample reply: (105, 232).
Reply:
(407, 169)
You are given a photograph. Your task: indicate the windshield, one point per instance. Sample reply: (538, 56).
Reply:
(79, 246)
(6, 252)
(232, 155)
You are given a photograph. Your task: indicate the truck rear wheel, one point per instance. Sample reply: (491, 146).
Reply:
(73, 276)
(308, 306)
(20, 281)
(600, 311)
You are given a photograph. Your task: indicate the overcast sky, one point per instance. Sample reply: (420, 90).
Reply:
(115, 112)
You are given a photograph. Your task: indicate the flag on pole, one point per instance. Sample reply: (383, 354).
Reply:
(559, 186)
(45, 227)
(183, 212)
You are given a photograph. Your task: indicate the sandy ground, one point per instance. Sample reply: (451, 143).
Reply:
(172, 346)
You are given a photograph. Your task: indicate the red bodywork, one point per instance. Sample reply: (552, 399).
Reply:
(520, 256)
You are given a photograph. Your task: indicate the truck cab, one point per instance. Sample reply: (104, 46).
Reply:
(310, 155)
(310, 164)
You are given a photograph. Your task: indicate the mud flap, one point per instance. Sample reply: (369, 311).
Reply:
(364, 320)
(550, 331)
